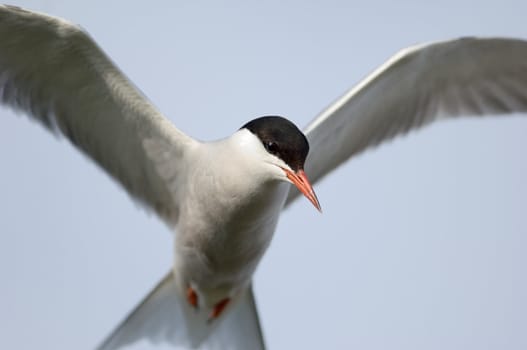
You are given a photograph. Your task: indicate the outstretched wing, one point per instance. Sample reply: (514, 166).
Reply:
(420, 84)
(53, 71)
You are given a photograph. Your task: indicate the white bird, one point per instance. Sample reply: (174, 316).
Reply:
(224, 198)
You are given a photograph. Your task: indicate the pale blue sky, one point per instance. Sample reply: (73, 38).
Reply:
(422, 241)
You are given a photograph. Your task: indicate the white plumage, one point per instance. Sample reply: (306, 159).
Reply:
(122, 113)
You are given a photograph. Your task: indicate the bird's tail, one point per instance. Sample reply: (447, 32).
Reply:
(164, 316)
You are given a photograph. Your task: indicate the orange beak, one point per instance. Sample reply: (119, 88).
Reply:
(300, 180)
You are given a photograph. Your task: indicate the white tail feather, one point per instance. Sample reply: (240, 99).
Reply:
(164, 316)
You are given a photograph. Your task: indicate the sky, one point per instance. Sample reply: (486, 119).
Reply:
(422, 241)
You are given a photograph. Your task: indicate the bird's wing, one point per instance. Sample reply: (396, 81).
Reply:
(53, 71)
(164, 316)
(420, 84)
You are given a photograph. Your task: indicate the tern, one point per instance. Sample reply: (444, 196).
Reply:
(224, 198)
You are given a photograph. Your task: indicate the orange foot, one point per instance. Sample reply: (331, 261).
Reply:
(192, 297)
(218, 309)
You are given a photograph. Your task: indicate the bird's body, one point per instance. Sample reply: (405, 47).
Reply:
(224, 198)
(236, 209)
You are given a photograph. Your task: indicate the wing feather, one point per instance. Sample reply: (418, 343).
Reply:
(418, 85)
(53, 71)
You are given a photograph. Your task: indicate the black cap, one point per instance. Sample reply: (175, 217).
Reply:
(281, 138)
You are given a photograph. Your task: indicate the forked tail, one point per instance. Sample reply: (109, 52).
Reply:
(164, 316)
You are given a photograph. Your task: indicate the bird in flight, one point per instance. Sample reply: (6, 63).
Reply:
(224, 197)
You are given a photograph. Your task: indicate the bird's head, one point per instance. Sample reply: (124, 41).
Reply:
(284, 147)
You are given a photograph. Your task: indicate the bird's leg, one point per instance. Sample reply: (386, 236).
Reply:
(192, 297)
(218, 309)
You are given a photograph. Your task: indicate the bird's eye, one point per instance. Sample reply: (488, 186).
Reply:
(271, 147)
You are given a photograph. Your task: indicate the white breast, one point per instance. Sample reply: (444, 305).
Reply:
(229, 212)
